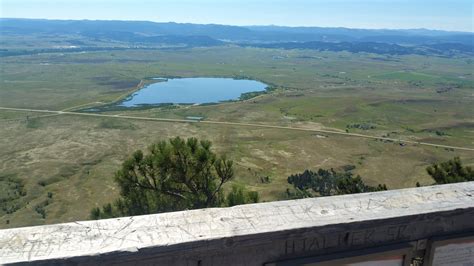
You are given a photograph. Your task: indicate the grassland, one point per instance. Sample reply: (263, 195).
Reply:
(55, 168)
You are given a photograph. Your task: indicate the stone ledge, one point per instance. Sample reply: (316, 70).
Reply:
(182, 235)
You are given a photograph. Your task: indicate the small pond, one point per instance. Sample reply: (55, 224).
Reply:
(192, 91)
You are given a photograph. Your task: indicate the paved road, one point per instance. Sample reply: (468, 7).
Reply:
(238, 124)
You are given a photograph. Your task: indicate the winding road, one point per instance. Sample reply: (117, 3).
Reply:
(237, 124)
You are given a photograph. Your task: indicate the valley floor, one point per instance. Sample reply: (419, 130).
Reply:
(57, 166)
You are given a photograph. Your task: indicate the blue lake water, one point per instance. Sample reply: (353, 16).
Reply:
(192, 91)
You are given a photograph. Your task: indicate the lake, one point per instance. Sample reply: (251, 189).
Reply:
(192, 91)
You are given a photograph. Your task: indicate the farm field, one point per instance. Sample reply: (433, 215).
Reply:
(56, 168)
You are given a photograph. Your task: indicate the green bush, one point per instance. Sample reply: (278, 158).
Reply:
(239, 195)
(451, 171)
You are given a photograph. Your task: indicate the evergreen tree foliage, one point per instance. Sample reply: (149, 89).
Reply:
(239, 195)
(174, 175)
(451, 171)
(328, 183)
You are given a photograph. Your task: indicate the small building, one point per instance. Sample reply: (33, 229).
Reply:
(195, 118)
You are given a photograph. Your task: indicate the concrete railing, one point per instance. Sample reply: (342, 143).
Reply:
(427, 222)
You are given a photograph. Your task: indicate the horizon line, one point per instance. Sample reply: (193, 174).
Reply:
(240, 25)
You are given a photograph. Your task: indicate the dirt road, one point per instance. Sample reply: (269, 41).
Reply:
(238, 124)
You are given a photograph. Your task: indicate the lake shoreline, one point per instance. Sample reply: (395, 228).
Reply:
(245, 95)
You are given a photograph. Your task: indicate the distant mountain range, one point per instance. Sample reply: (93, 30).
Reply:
(418, 41)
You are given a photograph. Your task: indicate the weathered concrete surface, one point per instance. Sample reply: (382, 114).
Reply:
(250, 234)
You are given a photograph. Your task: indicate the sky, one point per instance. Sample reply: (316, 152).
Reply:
(455, 15)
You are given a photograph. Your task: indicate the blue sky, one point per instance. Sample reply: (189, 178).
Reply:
(392, 14)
